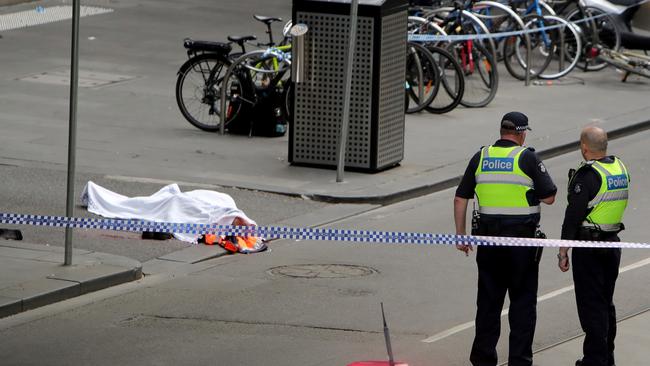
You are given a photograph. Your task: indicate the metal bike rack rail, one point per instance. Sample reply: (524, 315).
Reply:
(517, 18)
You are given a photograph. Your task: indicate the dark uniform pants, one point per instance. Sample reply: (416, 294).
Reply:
(500, 270)
(594, 274)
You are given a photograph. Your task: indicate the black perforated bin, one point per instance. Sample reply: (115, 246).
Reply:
(376, 130)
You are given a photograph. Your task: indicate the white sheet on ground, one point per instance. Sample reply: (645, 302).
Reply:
(169, 204)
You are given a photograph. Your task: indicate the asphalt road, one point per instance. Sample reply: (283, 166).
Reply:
(42, 190)
(245, 310)
(131, 127)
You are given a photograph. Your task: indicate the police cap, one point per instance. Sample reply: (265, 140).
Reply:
(515, 121)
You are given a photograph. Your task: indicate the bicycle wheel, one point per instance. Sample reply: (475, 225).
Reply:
(528, 7)
(469, 24)
(567, 46)
(422, 79)
(198, 92)
(479, 71)
(422, 26)
(516, 55)
(499, 18)
(599, 30)
(451, 81)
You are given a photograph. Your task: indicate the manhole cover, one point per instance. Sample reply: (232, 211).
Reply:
(322, 271)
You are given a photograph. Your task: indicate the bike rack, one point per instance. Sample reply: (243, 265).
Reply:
(515, 16)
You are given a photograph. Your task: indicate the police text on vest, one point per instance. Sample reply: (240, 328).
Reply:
(497, 164)
(617, 182)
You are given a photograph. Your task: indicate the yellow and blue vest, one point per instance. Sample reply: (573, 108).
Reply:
(609, 204)
(501, 185)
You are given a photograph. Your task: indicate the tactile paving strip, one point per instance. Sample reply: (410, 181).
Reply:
(43, 15)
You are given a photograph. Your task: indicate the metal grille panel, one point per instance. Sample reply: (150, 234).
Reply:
(319, 101)
(391, 93)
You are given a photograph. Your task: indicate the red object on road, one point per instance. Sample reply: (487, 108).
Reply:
(377, 363)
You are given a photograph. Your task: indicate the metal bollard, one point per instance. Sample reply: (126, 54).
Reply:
(298, 63)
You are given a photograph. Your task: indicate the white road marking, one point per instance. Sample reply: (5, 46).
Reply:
(44, 15)
(552, 294)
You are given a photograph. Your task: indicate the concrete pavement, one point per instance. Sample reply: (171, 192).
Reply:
(631, 345)
(33, 275)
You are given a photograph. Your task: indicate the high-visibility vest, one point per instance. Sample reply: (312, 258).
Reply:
(609, 204)
(501, 185)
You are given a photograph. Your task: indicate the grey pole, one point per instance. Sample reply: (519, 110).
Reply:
(391, 360)
(72, 133)
(528, 59)
(561, 66)
(347, 82)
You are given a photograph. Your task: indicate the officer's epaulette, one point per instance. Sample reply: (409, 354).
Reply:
(530, 148)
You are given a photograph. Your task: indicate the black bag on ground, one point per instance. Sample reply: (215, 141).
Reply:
(11, 234)
(267, 117)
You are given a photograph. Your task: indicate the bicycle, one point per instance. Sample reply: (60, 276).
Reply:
(422, 78)
(449, 71)
(597, 30)
(552, 39)
(477, 62)
(267, 72)
(451, 80)
(630, 62)
(200, 80)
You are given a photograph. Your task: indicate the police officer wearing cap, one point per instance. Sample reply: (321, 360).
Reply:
(509, 181)
(597, 195)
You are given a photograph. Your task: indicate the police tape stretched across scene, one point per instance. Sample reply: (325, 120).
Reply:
(277, 232)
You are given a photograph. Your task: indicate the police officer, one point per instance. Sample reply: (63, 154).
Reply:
(509, 182)
(597, 195)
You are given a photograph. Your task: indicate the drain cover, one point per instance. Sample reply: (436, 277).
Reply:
(322, 271)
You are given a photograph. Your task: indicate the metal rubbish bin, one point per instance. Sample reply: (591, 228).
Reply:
(376, 129)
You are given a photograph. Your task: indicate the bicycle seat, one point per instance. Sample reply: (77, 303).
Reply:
(241, 39)
(207, 46)
(267, 20)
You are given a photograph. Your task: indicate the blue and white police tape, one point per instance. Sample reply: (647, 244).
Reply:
(276, 232)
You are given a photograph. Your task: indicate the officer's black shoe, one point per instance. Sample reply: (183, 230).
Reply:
(579, 363)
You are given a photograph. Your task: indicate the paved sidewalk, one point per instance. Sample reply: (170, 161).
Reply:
(436, 147)
(631, 345)
(33, 275)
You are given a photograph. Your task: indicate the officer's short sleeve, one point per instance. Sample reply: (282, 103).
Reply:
(468, 182)
(532, 165)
